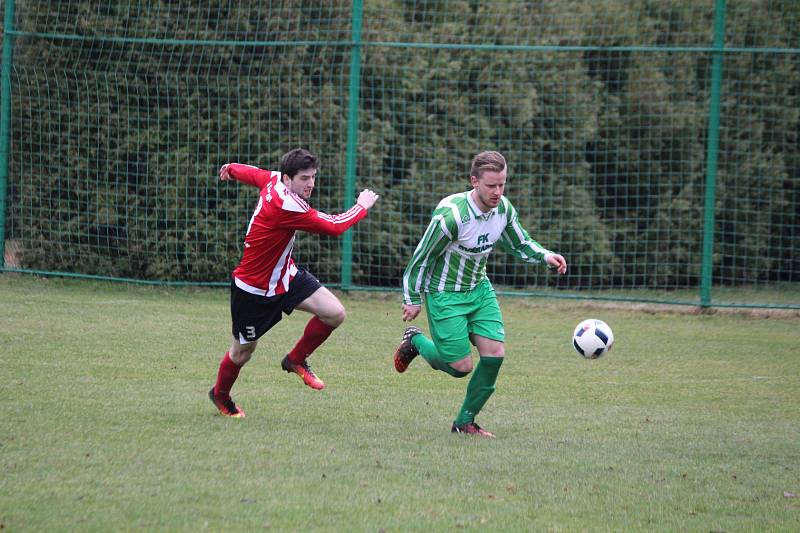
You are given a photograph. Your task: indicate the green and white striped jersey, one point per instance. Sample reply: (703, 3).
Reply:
(453, 251)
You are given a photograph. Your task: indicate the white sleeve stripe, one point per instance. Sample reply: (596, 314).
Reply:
(429, 273)
(422, 261)
(527, 242)
(343, 217)
(524, 244)
(443, 225)
(428, 242)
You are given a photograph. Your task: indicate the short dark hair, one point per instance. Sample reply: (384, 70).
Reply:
(296, 160)
(492, 161)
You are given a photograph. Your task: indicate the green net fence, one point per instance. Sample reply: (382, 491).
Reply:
(653, 144)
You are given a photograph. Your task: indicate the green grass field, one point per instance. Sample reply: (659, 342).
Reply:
(690, 424)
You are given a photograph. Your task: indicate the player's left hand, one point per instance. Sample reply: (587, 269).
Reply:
(367, 198)
(558, 262)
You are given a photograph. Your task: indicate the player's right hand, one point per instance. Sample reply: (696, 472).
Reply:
(225, 173)
(410, 312)
(367, 198)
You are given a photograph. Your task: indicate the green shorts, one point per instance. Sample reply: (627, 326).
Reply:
(453, 316)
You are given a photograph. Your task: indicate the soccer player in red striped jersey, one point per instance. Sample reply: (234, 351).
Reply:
(267, 282)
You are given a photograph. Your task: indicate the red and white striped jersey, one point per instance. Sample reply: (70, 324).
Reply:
(267, 266)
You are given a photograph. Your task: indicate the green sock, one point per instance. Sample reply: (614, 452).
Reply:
(480, 388)
(427, 349)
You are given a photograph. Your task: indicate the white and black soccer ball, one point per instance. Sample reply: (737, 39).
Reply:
(592, 338)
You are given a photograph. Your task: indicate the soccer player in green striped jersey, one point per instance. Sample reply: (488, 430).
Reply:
(448, 272)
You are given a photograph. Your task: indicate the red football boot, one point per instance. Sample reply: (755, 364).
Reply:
(305, 373)
(471, 428)
(226, 408)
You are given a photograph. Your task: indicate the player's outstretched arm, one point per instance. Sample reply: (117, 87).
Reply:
(315, 221)
(245, 173)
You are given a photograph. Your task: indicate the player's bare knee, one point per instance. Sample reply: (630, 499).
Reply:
(240, 359)
(463, 366)
(242, 353)
(335, 316)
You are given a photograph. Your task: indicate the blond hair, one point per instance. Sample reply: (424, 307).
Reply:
(487, 161)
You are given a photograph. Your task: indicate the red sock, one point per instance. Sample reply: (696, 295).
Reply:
(228, 372)
(315, 334)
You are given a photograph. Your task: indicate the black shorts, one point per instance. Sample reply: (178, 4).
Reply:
(253, 315)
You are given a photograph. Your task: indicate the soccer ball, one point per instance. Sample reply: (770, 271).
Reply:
(592, 338)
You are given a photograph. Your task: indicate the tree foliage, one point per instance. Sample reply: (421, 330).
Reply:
(602, 110)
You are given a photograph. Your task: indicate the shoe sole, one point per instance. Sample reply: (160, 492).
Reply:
(398, 363)
(483, 434)
(309, 385)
